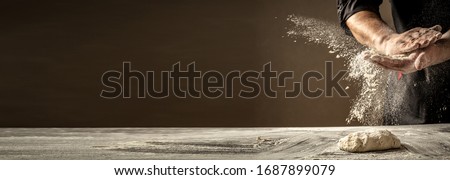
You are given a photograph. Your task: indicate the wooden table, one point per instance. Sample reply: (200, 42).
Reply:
(419, 142)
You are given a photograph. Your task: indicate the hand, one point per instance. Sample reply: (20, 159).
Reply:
(401, 63)
(406, 63)
(409, 41)
(434, 54)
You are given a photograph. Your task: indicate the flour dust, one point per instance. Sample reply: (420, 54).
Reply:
(367, 108)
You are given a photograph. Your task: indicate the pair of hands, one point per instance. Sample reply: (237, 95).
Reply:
(412, 50)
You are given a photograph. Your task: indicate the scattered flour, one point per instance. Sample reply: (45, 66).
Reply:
(375, 140)
(367, 108)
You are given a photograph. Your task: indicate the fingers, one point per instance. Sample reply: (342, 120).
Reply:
(418, 64)
(429, 36)
(419, 38)
(437, 28)
(430, 39)
(423, 43)
(390, 63)
(421, 62)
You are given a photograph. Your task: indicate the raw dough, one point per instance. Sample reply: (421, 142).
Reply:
(372, 140)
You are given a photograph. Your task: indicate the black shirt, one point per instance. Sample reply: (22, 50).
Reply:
(422, 96)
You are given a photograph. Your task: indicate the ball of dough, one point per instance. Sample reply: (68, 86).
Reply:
(372, 140)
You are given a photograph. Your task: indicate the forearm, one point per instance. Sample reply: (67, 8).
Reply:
(370, 30)
(444, 43)
(440, 51)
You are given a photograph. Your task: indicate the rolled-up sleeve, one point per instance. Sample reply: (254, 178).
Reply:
(346, 8)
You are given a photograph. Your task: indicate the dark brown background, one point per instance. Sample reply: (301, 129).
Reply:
(53, 54)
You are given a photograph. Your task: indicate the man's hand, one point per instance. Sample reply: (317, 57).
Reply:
(435, 53)
(370, 30)
(409, 41)
(422, 47)
(404, 64)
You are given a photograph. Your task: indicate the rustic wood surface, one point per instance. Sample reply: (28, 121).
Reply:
(418, 142)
